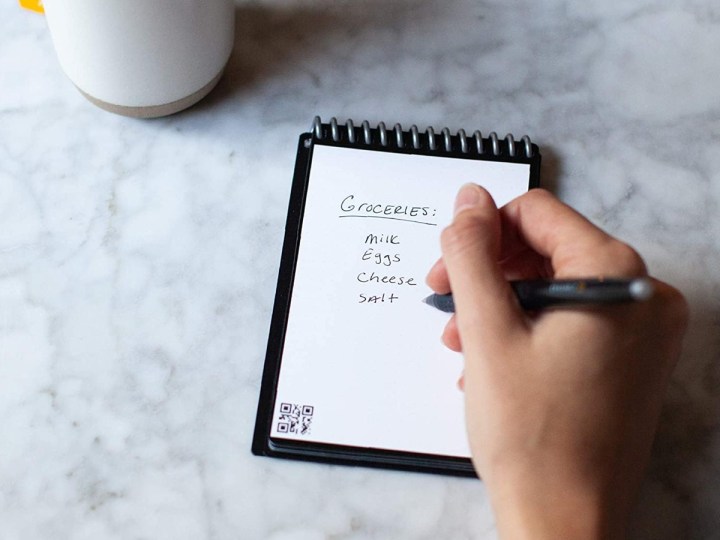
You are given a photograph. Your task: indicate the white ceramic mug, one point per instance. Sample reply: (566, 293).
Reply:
(142, 58)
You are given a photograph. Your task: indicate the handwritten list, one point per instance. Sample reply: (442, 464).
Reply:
(362, 354)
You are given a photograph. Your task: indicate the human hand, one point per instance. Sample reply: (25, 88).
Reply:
(561, 405)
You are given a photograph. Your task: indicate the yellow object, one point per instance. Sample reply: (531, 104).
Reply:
(35, 5)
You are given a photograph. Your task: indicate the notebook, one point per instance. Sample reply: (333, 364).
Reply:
(355, 371)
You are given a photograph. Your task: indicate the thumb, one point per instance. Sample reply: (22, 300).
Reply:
(485, 306)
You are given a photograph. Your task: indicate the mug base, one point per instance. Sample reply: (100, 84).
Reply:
(155, 111)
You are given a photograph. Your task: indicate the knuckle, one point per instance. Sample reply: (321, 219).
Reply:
(539, 194)
(625, 258)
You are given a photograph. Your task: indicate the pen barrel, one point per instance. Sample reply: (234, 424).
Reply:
(541, 294)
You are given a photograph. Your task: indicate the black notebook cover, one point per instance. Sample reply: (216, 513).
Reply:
(355, 372)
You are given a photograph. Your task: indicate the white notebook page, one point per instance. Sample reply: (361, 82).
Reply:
(363, 364)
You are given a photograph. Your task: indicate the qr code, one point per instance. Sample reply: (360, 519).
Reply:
(295, 418)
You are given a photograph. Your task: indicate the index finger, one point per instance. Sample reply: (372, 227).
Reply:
(573, 245)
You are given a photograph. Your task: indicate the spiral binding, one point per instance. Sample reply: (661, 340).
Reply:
(397, 138)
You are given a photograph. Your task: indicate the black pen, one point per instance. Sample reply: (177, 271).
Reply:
(544, 293)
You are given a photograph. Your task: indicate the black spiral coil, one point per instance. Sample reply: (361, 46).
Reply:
(413, 139)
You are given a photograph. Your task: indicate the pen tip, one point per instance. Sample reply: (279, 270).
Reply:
(426, 300)
(641, 289)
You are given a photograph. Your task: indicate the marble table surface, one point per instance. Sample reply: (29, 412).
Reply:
(138, 259)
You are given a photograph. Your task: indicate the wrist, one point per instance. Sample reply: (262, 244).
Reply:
(531, 505)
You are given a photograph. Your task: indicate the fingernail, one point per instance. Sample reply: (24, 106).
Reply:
(467, 197)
